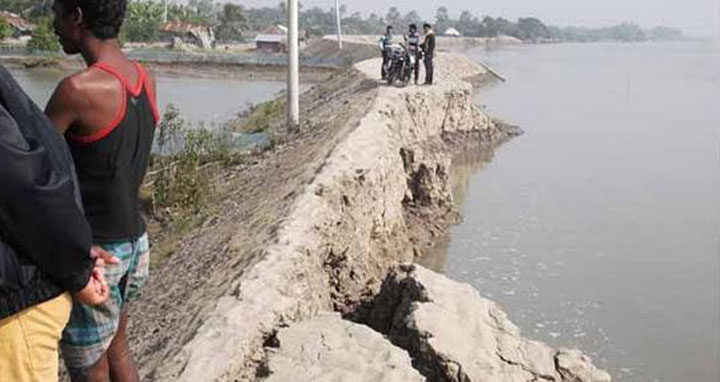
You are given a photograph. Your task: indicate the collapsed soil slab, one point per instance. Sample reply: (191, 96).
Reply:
(328, 348)
(362, 208)
(455, 335)
(344, 228)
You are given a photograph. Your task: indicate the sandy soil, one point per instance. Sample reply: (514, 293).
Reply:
(253, 199)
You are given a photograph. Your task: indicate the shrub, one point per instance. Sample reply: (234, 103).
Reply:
(5, 29)
(43, 38)
(182, 172)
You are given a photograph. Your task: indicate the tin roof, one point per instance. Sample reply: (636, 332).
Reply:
(181, 27)
(16, 21)
(278, 38)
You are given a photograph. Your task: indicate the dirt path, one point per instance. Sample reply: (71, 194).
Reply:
(253, 201)
(311, 225)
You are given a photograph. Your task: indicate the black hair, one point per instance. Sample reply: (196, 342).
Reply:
(389, 27)
(102, 17)
(413, 26)
(427, 25)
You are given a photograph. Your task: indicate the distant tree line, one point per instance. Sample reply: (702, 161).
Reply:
(144, 18)
(231, 22)
(319, 21)
(621, 32)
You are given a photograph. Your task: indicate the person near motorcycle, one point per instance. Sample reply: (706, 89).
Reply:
(428, 47)
(412, 41)
(384, 43)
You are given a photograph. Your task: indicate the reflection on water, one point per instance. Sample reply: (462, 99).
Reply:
(599, 227)
(464, 165)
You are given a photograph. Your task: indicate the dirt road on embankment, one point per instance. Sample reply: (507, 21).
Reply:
(314, 225)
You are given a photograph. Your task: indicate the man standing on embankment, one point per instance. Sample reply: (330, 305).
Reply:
(428, 47)
(384, 43)
(45, 241)
(413, 47)
(107, 113)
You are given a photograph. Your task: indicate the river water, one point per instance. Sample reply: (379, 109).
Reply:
(210, 101)
(599, 228)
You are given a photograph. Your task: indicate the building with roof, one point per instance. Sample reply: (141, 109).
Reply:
(20, 26)
(189, 33)
(271, 43)
(274, 39)
(452, 32)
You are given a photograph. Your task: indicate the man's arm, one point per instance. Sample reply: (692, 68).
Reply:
(39, 217)
(61, 109)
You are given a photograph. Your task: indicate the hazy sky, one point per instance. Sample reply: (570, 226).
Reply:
(692, 16)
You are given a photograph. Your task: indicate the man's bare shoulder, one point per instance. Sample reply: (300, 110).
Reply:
(83, 86)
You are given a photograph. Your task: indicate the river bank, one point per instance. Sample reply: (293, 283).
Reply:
(194, 69)
(572, 226)
(315, 224)
(318, 58)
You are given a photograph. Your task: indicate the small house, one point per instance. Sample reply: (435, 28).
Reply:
(189, 33)
(19, 25)
(274, 30)
(274, 39)
(271, 43)
(452, 32)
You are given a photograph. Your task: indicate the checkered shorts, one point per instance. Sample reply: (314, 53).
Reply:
(91, 328)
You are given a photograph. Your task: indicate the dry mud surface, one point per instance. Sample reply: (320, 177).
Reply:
(314, 226)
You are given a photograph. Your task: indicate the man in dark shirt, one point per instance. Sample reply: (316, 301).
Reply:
(107, 113)
(413, 47)
(385, 41)
(428, 47)
(44, 241)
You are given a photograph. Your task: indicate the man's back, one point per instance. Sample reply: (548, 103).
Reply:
(111, 151)
(413, 42)
(87, 101)
(108, 116)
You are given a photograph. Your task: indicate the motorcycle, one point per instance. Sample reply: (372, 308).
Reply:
(400, 65)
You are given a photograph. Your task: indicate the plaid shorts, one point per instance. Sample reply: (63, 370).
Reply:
(91, 328)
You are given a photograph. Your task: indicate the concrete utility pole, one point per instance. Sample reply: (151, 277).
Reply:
(293, 100)
(339, 28)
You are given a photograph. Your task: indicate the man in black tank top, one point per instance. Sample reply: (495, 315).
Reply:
(107, 113)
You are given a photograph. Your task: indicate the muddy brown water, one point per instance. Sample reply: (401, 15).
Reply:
(599, 227)
(200, 100)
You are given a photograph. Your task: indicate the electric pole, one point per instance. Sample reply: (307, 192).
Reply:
(339, 28)
(293, 100)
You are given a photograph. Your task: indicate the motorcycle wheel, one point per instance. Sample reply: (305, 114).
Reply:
(391, 78)
(404, 78)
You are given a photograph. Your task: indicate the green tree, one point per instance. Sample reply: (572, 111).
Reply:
(5, 29)
(43, 38)
(532, 29)
(412, 17)
(664, 34)
(442, 20)
(142, 21)
(468, 24)
(206, 12)
(627, 32)
(394, 18)
(259, 18)
(232, 23)
(488, 27)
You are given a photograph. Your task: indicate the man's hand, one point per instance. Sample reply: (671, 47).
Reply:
(102, 257)
(96, 291)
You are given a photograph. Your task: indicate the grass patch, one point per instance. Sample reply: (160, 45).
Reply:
(180, 190)
(261, 117)
(48, 61)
